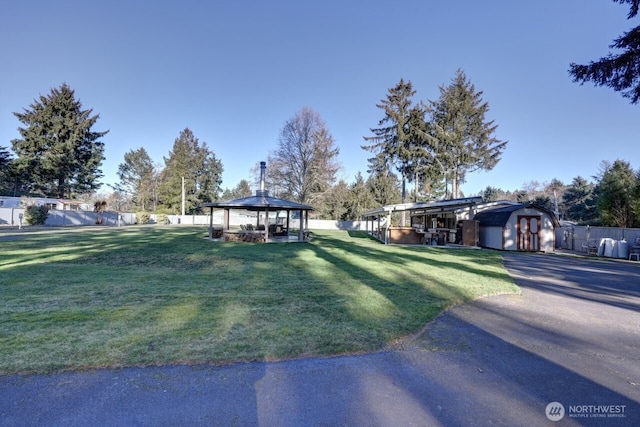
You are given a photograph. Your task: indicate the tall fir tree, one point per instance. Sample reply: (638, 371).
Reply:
(201, 170)
(58, 154)
(466, 139)
(391, 142)
(621, 70)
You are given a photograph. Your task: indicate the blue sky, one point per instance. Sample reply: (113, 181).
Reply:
(234, 72)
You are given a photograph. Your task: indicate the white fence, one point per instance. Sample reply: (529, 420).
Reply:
(238, 219)
(574, 237)
(11, 217)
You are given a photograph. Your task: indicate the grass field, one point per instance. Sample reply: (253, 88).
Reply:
(158, 295)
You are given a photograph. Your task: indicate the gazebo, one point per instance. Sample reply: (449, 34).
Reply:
(262, 203)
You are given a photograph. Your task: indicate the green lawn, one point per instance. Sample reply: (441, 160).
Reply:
(158, 295)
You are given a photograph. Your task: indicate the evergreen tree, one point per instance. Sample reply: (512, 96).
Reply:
(201, 170)
(543, 201)
(401, 141)
(137, 179)
(59, 155)
(384, 188)
(335, 204)
(243, 189)
(466, 140)
(492, 194)
(620, 71)
(616, 189)
(580, 202)
(359, 199)
(304, 164)
(6, 175)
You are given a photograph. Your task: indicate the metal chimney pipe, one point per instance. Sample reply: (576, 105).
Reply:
(263, 168)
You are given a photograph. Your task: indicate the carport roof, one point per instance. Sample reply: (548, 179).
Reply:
(437, 206)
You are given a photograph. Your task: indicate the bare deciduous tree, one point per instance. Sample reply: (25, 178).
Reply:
(304, 164)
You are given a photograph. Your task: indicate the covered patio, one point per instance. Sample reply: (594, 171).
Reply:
(433, 223)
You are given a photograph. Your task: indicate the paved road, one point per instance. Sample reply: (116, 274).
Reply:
(572, 336)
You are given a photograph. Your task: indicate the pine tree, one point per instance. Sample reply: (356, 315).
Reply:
(359, 200)
(201, 170)
(615, 189)
(6, 175)
(384, 187)
(620, 71)
(137, 178)
(466, 140)
(243, 189)
(579, 201)
(335, 204)
(58, 154)
(395, 143)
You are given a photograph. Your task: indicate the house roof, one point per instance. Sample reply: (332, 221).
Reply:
(498, 217)
(260, 202)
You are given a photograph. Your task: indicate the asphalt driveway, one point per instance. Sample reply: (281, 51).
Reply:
(571, 337)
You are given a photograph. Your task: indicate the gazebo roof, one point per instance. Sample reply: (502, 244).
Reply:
(260, 202)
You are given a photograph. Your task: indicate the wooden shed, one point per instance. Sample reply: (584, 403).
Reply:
(518, 227)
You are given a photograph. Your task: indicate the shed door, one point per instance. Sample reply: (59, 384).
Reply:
(529, 233)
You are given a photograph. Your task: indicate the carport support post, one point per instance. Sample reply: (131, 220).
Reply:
(387, 235)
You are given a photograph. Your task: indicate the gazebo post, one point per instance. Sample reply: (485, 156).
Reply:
(266, 225)
(288, 214)
(301, 229)
(211, 223)
(225, 223)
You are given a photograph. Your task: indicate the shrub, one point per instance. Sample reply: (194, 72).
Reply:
(162, 219)
(36, 215)
(142, 218)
